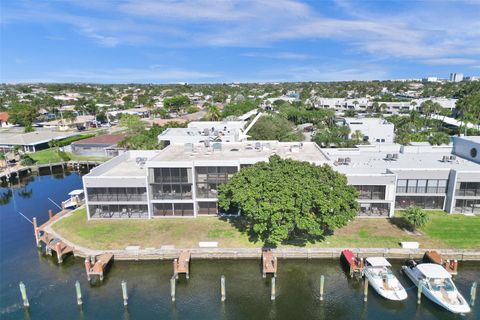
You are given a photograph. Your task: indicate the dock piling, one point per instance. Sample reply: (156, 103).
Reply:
(273, 293)
(50, 214)
(222, 287)
(23, 291)
(473, 293)
(419, 292)
(59, 252)
(365, 290)
(88, 266)
(322, 285)
(124, 293)
(36, 232)
(172, 288)
(79, 293)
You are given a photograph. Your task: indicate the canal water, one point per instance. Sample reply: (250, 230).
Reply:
(51, 290)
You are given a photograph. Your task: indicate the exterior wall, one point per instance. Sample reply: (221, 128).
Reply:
(467, 149)
(377, 130)
(93, 150)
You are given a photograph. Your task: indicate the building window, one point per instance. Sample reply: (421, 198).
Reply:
(117, 194)
(467, 206)
(473, 152)
(371, 192)
(468, 189)
(171, 183)
(118, 211)
(374, 209)
(207, 208)
(421, 186)
(425, 202)
(172, 209)
(209, 178)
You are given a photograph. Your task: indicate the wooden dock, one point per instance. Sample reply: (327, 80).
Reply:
(269, 263)
(54, 244)
(182, 264)
(434, 257)
(96, 266)
(355, 265)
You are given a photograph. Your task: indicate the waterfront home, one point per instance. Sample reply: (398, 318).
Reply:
(182, 180)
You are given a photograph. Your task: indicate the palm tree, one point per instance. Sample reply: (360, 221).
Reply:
(357, 136)
(416, 217)
(213, 113)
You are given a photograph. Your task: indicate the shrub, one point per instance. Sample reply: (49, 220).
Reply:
(416, 217)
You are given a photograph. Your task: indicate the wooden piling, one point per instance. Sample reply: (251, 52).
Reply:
(322, 284)
(50, 214)
(172, 288)
(23, 292)
(88, 267)
(124, 293)
(365, 290)
(222, 288)
(419, 292)
(36, 232)
(59, 252)
(79, 293)
(273, 292)
(473, 293)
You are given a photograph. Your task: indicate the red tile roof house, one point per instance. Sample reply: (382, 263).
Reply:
(4, 116)
(99, 146)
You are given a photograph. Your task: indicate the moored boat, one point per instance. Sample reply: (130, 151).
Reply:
(380, 276)
(76, 199)
(437, 285)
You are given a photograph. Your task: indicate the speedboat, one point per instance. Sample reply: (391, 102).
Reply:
(381, 278)
(437, 285)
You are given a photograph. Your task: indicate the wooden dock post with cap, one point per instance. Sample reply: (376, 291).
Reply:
(182, 265)
(36, 232)
(269, 263)
(99, 265)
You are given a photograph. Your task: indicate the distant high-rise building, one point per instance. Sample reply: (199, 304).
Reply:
(456, 77)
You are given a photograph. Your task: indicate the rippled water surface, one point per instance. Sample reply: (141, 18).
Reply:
(51, 291)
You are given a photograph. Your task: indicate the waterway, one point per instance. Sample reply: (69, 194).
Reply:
(51, 291)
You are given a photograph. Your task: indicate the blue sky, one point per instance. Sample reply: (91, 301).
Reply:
(154, 41)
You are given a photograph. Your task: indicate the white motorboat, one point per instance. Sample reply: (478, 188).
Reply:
(437, 286)
(381, 278)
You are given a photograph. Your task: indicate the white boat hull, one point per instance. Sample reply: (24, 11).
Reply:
(396, 295)
(462, 307)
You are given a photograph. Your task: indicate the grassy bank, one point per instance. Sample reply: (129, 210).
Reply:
(443, 231)
(52, 155)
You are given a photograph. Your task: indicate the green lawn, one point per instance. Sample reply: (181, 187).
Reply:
(443, 231)
(456, 231)
(45, 156)
(51, 155)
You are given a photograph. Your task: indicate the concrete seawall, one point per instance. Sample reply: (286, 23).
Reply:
(285, 253)
(138, 254)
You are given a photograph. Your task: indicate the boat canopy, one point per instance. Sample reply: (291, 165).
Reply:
(378, 262)
(431, 270)
(76, 192)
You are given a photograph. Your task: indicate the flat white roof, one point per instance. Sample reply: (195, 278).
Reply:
(306, 151)
(378, 262)
(431, 270)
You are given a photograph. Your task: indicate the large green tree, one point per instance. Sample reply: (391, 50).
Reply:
(274, 128)
(23, 114)
(288, 200)
(176, 104)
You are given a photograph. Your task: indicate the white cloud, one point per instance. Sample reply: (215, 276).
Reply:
(451, 61)
(142, 75)
(440, 33)
(282, 55)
